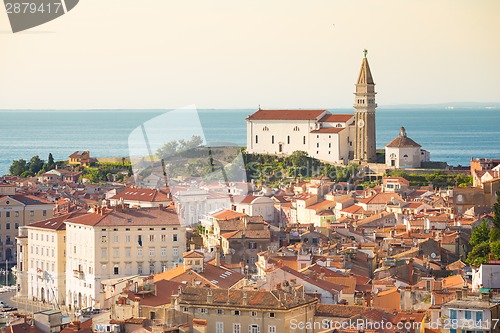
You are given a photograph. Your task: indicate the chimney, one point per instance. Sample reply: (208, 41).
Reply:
(485, 296)
(491, 257)
(210, 296)
(160, 206)
(244, 299)
(192, 246)
(217, 256)
(368, 298)
(464, 292)
(410, 268)
(458, 294)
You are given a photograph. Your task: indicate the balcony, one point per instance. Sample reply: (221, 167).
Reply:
(78, 274)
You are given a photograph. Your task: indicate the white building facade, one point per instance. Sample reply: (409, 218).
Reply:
(322, 135)
(110, 244)
(403, 152)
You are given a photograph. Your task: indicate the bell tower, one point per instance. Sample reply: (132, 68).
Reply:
(364, 105)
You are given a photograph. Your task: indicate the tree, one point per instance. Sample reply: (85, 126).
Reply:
(299, 158)
(35, 165)
(18, 167)
(496, 209)
(50, 164)
(480, 234)
(479, 254)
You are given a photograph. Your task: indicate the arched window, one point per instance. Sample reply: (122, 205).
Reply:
(296, 129)
(405, 156)
(265, 129)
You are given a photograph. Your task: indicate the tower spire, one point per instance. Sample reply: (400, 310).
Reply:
(364, 104)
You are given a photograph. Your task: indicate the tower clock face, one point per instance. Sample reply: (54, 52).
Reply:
(361, 123)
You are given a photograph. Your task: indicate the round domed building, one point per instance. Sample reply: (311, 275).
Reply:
(403, 152)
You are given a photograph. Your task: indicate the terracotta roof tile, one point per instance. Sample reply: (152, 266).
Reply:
(286, 114)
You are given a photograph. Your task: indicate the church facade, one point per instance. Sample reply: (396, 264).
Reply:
(335, 138)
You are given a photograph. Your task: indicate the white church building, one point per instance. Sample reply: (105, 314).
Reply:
(403, 152)
(334, 138)
(323, 135)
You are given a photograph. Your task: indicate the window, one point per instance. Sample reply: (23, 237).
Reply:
(219, 327)
(468, 314)
(151, 238)
(116, 253)
(271, 329)
(272, 138)
(7, 226)
(453, 314)
(32, 213)
(220, 312)
(7, 214)
(16, 214)
(139, 252)
(163, 251)
(116, 270)
(252, 245)
(265, 129)
(152, 252)
(163, 238)
(253, 328)
(152, 268)
(296, 129)
(175, 252)
(53, 253)
(127, 252)
(253, 313)
(139, 268)
(288, 139)
(104, 253)
(304, 140)
(139, 240)
(185, 309)
(236, 312)
(271, 315)
(115, 238)
(44, 213)
(127, 239)
(237, 328)
(203, 310)
(103, 239)
(256, 139)
(479, 316)
(174, 237)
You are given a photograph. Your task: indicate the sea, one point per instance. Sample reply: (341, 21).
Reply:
(452, 135)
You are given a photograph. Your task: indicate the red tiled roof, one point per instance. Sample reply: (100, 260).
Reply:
(336, 118)
(329, 130)
(286, 114)
(141, 194)
(144, 216)
(55, 223)
(227, 214)
(402, 141)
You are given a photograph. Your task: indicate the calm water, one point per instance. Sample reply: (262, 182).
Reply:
(452, 136)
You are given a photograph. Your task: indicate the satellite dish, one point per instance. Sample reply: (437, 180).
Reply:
(375, 291)
(433, 255)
